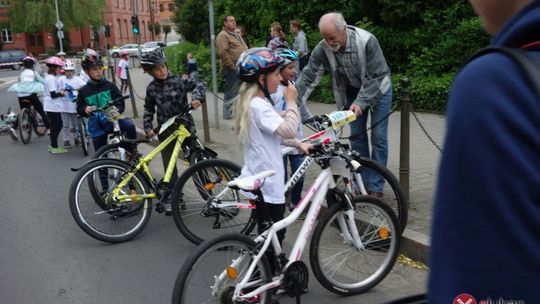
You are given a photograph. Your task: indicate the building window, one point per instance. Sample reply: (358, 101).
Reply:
(119, 29)
(161, 7)
(171, 7)
(117, 3)
(124, 4)
(5, 3)
(7, 35)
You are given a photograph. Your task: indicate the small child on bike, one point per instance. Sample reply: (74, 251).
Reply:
(29, 85)
(261, 130)
(288, 73)
(53, 101)
(167, 94)
(71, 83)
(95, 95)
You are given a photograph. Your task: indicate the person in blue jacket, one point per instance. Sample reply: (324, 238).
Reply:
(486, 222)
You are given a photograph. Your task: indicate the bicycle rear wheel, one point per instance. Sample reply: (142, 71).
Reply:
(197, 211)
(203, 277)
(96, 213)
(39, 126)
(25, 125)
(342, 267)
(393, 195)
(83, 136)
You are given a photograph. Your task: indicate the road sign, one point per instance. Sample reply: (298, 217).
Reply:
(59, 25)
(60, 34)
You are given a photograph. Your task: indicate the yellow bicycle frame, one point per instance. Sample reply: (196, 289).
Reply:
(178, 137)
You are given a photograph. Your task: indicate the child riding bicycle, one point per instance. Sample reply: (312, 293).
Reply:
(95, 95)
(29, 85)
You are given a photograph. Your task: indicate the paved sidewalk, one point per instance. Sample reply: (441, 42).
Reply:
(424, 156)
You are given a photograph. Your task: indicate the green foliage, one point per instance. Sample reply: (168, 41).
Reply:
(426, 40)
(426, 92)
(191, 21)
(177, 59)
(40, 15)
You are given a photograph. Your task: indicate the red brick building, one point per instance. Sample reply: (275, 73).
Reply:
(117, 15)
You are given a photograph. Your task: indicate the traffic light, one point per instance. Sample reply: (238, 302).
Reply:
(107, 31)
(135, 24)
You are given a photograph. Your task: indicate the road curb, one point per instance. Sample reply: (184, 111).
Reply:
(415, 245)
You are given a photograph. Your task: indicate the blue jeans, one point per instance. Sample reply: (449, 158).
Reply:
(379, 137)
(296, 191)
(232, 84)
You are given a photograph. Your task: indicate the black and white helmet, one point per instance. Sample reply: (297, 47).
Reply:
(152, 59)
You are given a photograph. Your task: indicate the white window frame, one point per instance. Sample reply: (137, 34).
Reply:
(7, 35)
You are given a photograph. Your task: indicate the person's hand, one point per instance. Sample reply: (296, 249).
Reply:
(150, 133)
(290, 94)
(195, 103)
(88, 110)
(185, 76)
(304, 147)
(356, 109)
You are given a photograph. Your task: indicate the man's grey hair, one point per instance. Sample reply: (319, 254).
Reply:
(335, 17)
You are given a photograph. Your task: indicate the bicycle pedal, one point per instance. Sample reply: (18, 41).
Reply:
(160, 208)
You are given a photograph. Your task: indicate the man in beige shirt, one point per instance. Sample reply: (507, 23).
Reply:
(230, 45)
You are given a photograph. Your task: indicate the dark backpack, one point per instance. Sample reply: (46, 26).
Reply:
(529, 65)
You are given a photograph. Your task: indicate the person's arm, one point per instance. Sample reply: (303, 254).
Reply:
(39, 78)
(148, 114)
(302, 46)
(289, 125)
(311, 75)
(222, 44)
(377, 79)
(81, 103)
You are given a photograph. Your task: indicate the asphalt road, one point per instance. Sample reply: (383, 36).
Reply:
(45, 258)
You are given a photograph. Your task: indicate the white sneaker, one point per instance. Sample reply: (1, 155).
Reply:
(13, 134)
(168, 208)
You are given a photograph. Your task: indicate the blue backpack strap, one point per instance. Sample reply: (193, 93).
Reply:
(526, 63)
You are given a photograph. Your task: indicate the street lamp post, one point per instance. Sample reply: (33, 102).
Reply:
(59, 26)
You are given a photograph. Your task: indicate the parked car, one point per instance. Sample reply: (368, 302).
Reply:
(152, 45)
(132, 48)
(169, 43)
(11, 59)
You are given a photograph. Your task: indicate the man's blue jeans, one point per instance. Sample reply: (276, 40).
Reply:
(232, 84)
(379, 137)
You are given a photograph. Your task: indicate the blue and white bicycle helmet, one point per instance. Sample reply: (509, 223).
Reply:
(255, 62)
(287, 56)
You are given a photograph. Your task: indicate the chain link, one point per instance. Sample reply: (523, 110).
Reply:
(424, 130)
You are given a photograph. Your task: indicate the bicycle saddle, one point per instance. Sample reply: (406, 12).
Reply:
(251, 183)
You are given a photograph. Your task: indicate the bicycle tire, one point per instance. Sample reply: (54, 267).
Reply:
(84, 138)
(396, 198)
(203, 267)
(111, 151)
(25, 126)
(39, 126)
(192, 211)
(94, 215)
(333, 257)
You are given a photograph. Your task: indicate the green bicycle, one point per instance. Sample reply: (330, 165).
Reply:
(111, 200)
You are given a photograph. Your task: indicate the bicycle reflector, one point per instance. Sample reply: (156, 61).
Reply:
(383, 233)
(232, 273)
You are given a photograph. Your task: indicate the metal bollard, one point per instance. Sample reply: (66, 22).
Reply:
(131, 95)
(404, 143)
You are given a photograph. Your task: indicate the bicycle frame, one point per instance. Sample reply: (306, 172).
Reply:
(178, 136)
(316, 194)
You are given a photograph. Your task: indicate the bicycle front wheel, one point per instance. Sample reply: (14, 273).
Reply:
(211, 273)
(84, 138)
(393, 195)
(348, 269)
(97, 213)
(25, 125)
(111, 151)
(202, 209)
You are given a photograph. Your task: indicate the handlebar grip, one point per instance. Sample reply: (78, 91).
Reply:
(315, 118)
